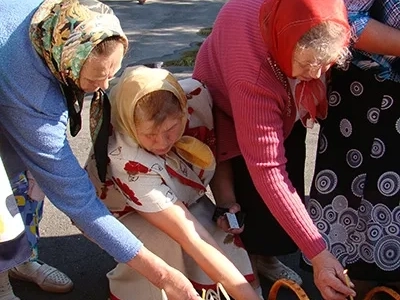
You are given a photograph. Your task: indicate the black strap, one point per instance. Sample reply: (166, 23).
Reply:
(100, 117)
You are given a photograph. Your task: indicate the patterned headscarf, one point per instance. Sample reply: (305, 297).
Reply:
(64, 32)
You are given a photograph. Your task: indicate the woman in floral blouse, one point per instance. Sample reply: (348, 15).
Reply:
(160, 164)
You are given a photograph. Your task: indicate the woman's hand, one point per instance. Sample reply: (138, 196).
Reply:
(329, 277)
(174, 283)
(196, 241)
(178, 287)
(222, 221)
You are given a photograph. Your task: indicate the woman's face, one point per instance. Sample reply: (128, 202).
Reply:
(97, 71)
(160, 139)
(306, 67)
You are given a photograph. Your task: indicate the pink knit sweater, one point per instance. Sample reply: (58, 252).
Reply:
(254, 114)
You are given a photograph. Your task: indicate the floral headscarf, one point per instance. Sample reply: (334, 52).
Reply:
(64, 32)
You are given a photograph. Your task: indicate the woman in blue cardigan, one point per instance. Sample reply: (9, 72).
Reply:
(51, 54)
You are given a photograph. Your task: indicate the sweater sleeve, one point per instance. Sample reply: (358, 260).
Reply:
(259, 129)
(40, 140)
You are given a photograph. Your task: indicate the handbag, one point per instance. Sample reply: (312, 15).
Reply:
(301, 294)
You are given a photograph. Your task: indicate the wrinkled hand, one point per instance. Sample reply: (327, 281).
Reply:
(222, 221)
(178, 287)
(329, 277)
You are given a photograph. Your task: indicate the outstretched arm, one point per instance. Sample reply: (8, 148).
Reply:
(183, 227)
(158, 272)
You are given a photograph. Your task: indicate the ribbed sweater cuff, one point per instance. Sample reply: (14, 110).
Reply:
(312, 248)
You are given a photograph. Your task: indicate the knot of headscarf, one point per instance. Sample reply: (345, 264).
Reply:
(282, 24)
(139, 81)
(64, 32)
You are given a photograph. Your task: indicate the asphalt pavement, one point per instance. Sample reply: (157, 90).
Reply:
(157, 31)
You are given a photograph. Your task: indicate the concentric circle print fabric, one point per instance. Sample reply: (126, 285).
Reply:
(355, 193)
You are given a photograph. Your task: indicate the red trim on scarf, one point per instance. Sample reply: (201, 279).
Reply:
(184, 180)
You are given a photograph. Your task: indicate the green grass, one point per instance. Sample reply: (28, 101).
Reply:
(205, 31)
(188, 58)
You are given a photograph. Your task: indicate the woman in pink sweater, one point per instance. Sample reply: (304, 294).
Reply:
(263, 64)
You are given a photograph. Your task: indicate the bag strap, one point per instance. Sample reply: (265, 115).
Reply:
(300, 293)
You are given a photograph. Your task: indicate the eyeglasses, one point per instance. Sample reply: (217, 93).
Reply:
(314, 66)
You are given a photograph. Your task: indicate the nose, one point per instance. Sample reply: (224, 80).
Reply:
(163, 141)
(316, 73)
(104, 84)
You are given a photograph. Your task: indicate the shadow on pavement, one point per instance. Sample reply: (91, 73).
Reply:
(83, 261)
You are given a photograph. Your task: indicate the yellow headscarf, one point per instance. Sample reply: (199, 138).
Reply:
(135, 83)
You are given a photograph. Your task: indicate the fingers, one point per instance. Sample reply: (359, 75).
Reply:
(196, 296)
(224, 225)
(236, 231)
(234, 208)
(332, 287)
(341, 274)
(330, 294)
(340, 287)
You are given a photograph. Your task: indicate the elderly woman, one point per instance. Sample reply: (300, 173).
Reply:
(160, 163)
(51, 54)
(263, 64)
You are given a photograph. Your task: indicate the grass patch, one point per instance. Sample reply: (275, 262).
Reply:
(205, 31)
(188, 58)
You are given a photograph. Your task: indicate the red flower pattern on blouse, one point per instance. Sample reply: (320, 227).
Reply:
(127, 191)
(195, 92)
(133, 168)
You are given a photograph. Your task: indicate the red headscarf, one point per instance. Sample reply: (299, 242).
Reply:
(282, 24)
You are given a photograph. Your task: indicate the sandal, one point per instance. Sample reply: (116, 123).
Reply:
(300, 293)
(47, 278)
(382, 289)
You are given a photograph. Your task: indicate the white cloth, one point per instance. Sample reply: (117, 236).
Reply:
(11, 225)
